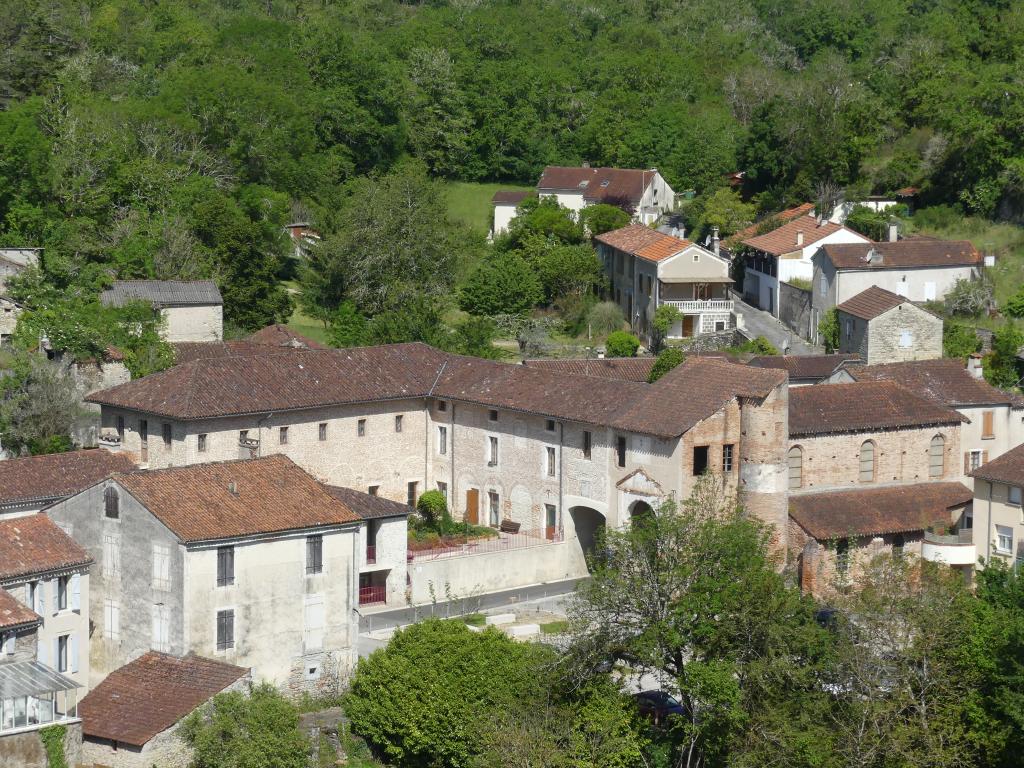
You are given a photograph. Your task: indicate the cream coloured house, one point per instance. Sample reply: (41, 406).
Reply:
(997, 521)
(643, 192)
(189, 310)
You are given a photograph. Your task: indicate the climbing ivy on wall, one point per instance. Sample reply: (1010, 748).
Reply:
(53, 742)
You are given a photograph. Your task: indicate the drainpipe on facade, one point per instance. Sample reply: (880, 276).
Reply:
(561, 478)
(259, 434)
(451, 459)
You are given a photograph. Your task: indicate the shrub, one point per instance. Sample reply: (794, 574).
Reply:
(502, 284)
(574, 309)
(1015, 304)
(959, 340)
(664, 317)
(667, 360)
(569, 270)
(829, 330)
(621, 344)
(433, 508)
(605, 318)
(758, 346)
(348, 328)
(967, 298)
(1001, 366)
(602, 218)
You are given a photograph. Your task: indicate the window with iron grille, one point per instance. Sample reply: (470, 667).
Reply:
(225, 566)
(282, 436)
(225, 630)
(323, 431)
(314, 554)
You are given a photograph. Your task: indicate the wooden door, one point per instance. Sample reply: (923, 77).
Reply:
(688, 325)
(473, 506)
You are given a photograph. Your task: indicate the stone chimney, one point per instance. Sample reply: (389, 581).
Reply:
(799, 237)
(893, 231)
(974, 366)
(715, 243)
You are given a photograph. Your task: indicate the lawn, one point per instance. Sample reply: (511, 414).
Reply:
(470, 202)
(301, 322)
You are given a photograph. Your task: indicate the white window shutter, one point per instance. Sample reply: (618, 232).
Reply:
(73, 652)
(76, 592)
(8, 643)
(156, 626)
(40, 651)
(54, 592)
(40, 597)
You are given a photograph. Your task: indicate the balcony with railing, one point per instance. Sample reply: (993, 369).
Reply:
(952, 549)
(698, 306)
(373, 595)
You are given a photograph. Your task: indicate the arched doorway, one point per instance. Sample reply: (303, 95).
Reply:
(640, 512)
(587, 523)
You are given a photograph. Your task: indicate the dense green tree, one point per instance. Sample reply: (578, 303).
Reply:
(959, 340)
(667, 360)
(1002, 368)
(348, 328)
(828, 329)
(504, 284)
(602, 218)
(665, 317)
(38, 406)
(621, 344)
(725, 209)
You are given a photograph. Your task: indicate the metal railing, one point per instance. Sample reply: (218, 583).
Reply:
(964, 537)
(696, 306)
(503, 542)
(372, 595)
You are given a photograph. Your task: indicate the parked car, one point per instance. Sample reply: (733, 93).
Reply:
(658, 706)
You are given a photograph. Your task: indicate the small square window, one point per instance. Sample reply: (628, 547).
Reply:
(361, 428)
(373, 489)
(442, 405)
(323, 431)
(201, 443)
(492, 415)
(282, 436)
(549, 425)
(1015, 495)
(398, 423)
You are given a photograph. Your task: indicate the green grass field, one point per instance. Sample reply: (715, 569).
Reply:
(303, 323)
(470, 202)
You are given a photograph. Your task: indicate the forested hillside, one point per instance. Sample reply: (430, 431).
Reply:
(174, 139)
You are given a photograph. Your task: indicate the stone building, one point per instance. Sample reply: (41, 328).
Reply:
(131, 719)
(190, 310)
(28, 484)
(247, 562)
(883, 327)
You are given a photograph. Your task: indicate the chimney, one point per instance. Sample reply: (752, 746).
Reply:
(799, 237)
(586, 163)
(894, 231)
(233, 488)
(974, 366)
(715, 248)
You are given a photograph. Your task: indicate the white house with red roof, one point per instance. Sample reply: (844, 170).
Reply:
(641, 191)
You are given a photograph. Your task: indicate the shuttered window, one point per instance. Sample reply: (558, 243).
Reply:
(161, 566)
(987, 431)
(161, 628)
(225, 630)
(225, 566)
(111, 619)
(111, 502)
(867, 462)
(937, 456)
(314, 554)
(796, 467)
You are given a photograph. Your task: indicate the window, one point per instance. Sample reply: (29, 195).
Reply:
(588, 441)
(549, 461)
(201, 443)
(1014, 495)
(843, 557)
(315, 554)
(398, 423)
(225, 566)
(361, 428)
(243, 435)
(111, 619)
(937, 456)
(493, 506)
(323, 431)
(410, 493)
(696, 257)
(550, 516)
(906, 338)
(373, 490)
(111, 503)
(7, 643)
(795, 459)
(35, 597)
(492, 451)
(62, 652)
(549, 425)
(442, 405)
(443, 489)
(620, 451)
(492, 415)
(867, 462)
(823, 285)
(974, 460)
(1004, 539)
(161, 566)
(225, 630)
(700, 459)
(727, 451)
(111, 555)
(442, 440)
(282, 436)
(987, 431)
(898, 542)
(167, 435)
(62, 593)
(120, 428)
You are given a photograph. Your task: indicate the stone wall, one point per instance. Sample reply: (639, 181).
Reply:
(202, 323)
(764, 428)
(26, 750)
(885, 334)
(795, 310)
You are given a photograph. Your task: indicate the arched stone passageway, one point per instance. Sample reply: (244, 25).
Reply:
(587, 523)
(640, 512)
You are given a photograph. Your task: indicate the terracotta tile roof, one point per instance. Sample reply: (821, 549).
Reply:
(278, 335)
(271, 494)
(509, 197)
(903, 254)
(56, 475)
(147, 696)
(876, 511)
(871, 302)
(781, 217)
(862, 406)
(1008, 468)
(598, 184)
(647, 243)
(14, 613)
(625, 368)
(163, 293)
(34, 544)
(944, 382)
(368, 507)
(784, 239)
(187, 351)
(802, 367)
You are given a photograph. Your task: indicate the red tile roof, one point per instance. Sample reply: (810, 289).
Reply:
(644, 242)
(784, 239)
(802, 367)
(598, 184)
(224, 500)
(781, 218)
(367, 506)
(625, 368)
(871, 302)
(878, 510)
(34, 544)
(944, 382)
(279, 335)
(149, 695)
(13, 613)
(903, 254)
(509, 197)
(53, 476)
(864, 406)
(1008, 468)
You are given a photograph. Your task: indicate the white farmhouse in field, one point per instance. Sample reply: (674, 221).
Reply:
(190, 310)
(642, 192)
(505, 202)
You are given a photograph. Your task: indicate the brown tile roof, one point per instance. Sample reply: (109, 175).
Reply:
(598, 184)
(1008, 468)
(644, 242)
(187, 351)
(783, 239)
(945, 382)
(877, 511)
(279, 335)
(903, 254)
(862, 406)
(368, 507)
(871, 302)
(34, 544)
(147, 696)
(509, 197)
(56, 475)
(13, 613)
(270, 495)
(781, 217)
(802, 367)
(625, 368)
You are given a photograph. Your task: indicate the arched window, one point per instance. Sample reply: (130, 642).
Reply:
(796, 467)
(937, 456)
(111, 502)
(867, 462)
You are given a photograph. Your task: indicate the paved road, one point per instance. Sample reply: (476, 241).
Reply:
(757, 322)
